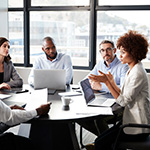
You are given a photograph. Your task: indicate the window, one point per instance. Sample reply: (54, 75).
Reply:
(112, 24)
(59, 2)
(67, 28)
(16, 32)
(126, 2)
(15, 3)
(77, 26)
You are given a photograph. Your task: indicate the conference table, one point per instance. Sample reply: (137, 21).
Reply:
(56, 130)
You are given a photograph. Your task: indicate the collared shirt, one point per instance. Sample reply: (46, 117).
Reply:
(14, 116)
(116, 68)
(134, 96)
(61, 61)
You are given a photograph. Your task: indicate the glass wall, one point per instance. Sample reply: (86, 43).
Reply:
(59, 2)
(76, 26)
(112, 24)
(16, 36)
(126, 2)
(69, 29)
(15, 3)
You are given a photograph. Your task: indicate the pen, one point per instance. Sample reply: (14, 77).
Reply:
(17, 92)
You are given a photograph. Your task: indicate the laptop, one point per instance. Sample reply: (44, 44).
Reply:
(102, 99)
(51, 79)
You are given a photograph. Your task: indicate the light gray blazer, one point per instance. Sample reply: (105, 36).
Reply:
(134, 96)
(11, 77)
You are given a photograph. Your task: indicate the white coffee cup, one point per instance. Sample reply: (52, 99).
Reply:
(66, 100)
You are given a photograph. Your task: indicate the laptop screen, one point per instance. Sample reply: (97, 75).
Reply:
(87, 90)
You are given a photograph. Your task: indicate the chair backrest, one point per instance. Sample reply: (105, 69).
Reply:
(143, 144)
(135, 145)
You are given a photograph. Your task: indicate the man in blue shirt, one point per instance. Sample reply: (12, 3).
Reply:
(110, 63)
(52, 60)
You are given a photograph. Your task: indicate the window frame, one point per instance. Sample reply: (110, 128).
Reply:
(93, 7)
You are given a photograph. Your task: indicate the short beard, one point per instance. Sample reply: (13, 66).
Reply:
(48, 56)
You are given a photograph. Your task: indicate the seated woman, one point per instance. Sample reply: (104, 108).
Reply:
(8, 74)
(134, 93)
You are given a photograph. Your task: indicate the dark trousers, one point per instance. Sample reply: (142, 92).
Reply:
(9, 141)
(99, 125)
(106, 140)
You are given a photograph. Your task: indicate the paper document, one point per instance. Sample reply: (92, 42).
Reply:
(3, 96)
(37, 98)
(95, 111)
(70, 94)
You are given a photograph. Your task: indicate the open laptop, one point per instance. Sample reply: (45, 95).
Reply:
(103, 99)
(51, 79)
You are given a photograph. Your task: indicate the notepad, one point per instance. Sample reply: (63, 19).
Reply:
(69, 93)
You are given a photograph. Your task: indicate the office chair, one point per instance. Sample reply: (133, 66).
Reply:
(117, 111)
(3, 127)
(112, 122)
(134, 145)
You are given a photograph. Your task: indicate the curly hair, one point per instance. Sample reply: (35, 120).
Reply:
(135, 44)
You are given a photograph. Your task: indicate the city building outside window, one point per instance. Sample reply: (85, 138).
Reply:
(70, 24)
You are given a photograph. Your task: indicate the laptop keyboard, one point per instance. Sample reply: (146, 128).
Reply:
(98, 101)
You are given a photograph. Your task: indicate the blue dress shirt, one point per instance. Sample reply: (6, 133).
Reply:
(116, 68)
(61, 61)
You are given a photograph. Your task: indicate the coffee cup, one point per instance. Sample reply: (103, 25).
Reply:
(66, 100)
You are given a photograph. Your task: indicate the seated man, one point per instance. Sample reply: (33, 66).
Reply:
(14, 115)
(110, 63)
(52, 60)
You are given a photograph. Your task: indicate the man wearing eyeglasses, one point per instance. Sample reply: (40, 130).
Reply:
(52, 60)
(110, 63)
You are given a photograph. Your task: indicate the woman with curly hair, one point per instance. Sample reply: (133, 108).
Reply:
(8, 74)
(134, 93)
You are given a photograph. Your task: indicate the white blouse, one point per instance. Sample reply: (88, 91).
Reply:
(134, 96)
(14, 116)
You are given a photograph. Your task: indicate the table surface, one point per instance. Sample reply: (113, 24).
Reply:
(77, 108)
(58, 123)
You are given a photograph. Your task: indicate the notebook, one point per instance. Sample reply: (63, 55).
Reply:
(51, 79)
(103, 99)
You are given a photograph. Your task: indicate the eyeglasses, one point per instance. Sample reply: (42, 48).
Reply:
(109, 49)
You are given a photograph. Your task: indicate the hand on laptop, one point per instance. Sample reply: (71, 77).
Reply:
(43, 109)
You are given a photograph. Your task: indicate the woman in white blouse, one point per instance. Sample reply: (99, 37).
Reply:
(133, 95)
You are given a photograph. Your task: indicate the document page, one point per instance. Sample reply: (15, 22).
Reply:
(37, 98)
(70, 94)
(95, 111)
